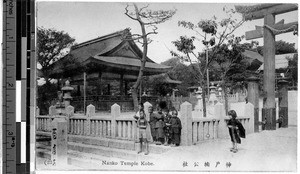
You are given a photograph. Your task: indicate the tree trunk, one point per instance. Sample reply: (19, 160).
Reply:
(225, 97)
(135, 99)
(143, 60)
(203, 98)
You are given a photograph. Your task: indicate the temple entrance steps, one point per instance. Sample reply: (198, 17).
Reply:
(91, 152)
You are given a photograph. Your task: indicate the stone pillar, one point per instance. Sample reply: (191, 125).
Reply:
(250, 113)
(186, 122)
(115, 112)
(90, 112)
(220, 114)
(283, 103)
(52, 110)
(146, 107)
(59, 143)
(253, 97)
(269, 111)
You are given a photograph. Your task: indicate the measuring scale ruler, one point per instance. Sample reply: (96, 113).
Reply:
(9, 87)
(18, 87)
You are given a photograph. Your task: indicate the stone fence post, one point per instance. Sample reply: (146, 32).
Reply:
(69, 113)
(90, 112)
(115, 112)
(220, 114)
(186, 122)
(37, 111)
(249, 112)
(253, 97)
(59, 143)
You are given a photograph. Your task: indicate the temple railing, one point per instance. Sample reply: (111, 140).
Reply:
(123, 126)
(204, 129)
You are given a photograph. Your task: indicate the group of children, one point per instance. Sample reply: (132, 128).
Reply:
(163, 127)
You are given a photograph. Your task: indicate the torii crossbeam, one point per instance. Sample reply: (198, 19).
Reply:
(268, 32)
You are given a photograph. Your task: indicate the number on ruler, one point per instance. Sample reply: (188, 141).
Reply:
(10, 85)
(10, 133)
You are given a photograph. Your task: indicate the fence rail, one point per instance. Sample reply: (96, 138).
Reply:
(114, 125)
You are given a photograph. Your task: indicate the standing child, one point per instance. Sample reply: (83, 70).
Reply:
(175, 128)
(159, 128)
(152, 123)
(143, 135)
(236, 130)
(167, 128)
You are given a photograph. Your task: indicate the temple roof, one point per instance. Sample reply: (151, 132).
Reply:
(109, 53)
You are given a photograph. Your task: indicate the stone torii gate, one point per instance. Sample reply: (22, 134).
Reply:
(268, 32)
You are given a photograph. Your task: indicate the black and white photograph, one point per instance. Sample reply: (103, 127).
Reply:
(166, 86)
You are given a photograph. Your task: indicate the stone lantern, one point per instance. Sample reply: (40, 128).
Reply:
(59, 107)
(67, 89)
(212, 97)
(199, 105)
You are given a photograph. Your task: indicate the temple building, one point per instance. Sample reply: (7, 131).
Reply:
(104, 66)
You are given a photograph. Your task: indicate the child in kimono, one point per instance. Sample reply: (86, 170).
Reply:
(167, 128)
(143, 135)
(159, 128)
(175, 129)
(236, 130)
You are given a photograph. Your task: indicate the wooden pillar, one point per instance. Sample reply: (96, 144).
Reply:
(108, 89)
(84, 91)
(253, 97)
(121, 84)
(126, 88)
(269, 111)
(99, 85)
(283, 102)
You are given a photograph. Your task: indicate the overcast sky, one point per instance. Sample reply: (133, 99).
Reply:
(89, 20)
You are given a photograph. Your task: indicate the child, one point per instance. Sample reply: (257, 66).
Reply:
(236, 130)
(167, 128)
(152, 123)
(143, 135)
(159, 128)
(175, 129)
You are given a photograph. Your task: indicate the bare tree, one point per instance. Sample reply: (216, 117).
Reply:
(146, 19)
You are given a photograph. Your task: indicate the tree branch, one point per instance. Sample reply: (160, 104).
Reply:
(127, 14)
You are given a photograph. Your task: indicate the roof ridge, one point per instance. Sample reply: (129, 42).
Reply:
(107, 36)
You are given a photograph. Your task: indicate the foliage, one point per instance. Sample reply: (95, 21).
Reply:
(281, 47)
(292, 69)
(207, 31)
(51, 46)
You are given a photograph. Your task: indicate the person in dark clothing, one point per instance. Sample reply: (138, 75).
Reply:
(236, 130)
(175, 130)
(152, 123)
(159, 128)
(167, 128)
